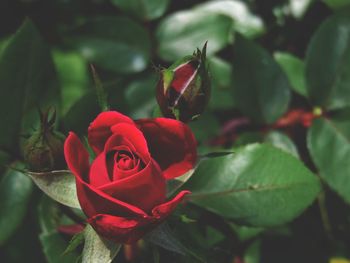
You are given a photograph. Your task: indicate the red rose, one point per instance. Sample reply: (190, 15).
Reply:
(123, 191)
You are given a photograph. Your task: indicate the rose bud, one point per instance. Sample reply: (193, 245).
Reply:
(43, 151)
(123, 191)
(184, 88)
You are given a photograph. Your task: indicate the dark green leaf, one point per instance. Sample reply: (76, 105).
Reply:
(181, 33)
(53, 248)
(97, 249)
(76, 240)
(329, 145)
(295, 70)
(337, 4)
(244, 233)
(261, 88)
(115, 43)
(221, 79)
(140, 96)
(205, 127)
(328, 63)
(162, 236)
(54, 245)
(144, 9)
(253, 253)
(259, 185)
(27, 80)
(15, 191)
(59, 185)
(73, 76)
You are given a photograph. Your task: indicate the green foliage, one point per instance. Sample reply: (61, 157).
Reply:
(100, 40)
(274, 135)
(27, 80)
(328, 63)
(144, 9)
(180, 32)
(59, 185)
(257, 185)
(295, 70)
(52, 242)
(261, 89)
(15, 192)
(334, 136)
(97, 249)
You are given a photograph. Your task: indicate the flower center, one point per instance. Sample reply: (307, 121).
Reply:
(125, 160)
(122, 163)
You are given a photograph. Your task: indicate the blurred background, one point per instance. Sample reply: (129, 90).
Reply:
(129, 42)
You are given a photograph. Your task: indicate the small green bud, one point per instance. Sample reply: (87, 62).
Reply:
(43, 151)
(184, 88)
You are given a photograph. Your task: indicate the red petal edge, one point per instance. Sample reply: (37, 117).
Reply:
(129, 230)
(100, 129)
(171, 143)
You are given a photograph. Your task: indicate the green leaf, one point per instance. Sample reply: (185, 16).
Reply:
(253, 252)
(27, 79)
(295, 70)
(328, 63)
(329, 145)
(259, 185)
(97, 249)
(53, 244)
(73, 76)
(337, 4)
(246, 23)
(261, 88)
(15, 192)
(59, 185)
(162, 236)
(140, 96)
(144, 9)
(244, 233)
(53, 248)
(205, 127)
(221, 79)
(76, 240)
(114, 43)
(282, 141)
(182, 32)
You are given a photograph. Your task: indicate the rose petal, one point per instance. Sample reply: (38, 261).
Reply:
(99, 130)
(76, 155)
(165, 209)
(133, 135)
(93, 201)
(144, 189)
(120, 229)
(171, 144)
(129, 230)
(98, 173)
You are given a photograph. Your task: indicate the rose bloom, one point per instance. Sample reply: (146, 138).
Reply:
(123, 191)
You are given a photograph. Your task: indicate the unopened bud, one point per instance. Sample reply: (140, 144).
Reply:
(43, 151)
(184, 88)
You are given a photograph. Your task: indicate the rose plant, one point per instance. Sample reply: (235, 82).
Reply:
(236, 153)
(123, 191)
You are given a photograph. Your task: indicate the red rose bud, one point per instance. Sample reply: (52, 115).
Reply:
(43, 151)
(123, 190)
(184, 88)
